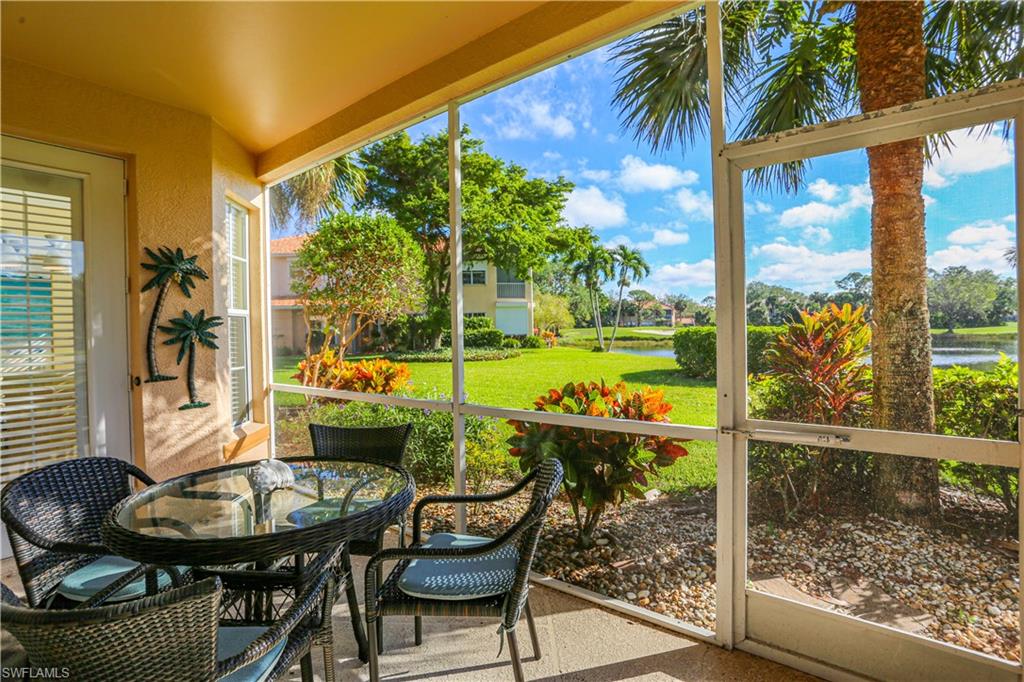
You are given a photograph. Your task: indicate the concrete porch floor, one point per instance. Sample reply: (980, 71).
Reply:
(579, 641)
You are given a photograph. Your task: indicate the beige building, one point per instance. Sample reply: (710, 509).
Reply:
(487, 291)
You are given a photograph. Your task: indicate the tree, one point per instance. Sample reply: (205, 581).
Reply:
(770, 304)
(855, 290)
(170, 267)
(551, 312)
(316, 194)
(643, 301)
(631, 267)
(960, 297)
(794, 64)
(595, 268)
(356, 270)
(508, 219)
(187, 331)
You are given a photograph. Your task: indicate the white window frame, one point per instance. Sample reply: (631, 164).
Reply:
(734, 429)
(471, 270)
(239, 313)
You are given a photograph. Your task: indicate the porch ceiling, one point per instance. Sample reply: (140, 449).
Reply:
(263, 70)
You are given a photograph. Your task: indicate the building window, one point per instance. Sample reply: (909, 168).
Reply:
(474, 273)
(236, 221)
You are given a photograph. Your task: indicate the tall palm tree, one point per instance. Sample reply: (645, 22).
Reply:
(595, 268)
(170, 267)
(631, 267)
(318, 193)
(790, 64)
(187, 331)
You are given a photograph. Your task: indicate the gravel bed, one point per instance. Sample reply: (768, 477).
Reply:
(660, 554)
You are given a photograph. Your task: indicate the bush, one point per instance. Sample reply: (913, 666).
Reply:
(980, 405)
(695, 349)
(509, 342)
(816, 374)
(328, 370)
(602, 468)
(483, 338)
(477, 322)
(430, 452)
(532, 341)
(445, 355)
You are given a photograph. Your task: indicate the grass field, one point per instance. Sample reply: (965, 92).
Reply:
(516, 382)
(1007, 328)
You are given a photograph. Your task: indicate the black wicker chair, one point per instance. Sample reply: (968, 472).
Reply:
(53, 517)
(500, 588)
(174, 635)
(366, 443)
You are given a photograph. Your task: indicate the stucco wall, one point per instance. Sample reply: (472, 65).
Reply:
(179, 164)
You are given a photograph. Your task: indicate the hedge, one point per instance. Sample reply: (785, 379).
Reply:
(695, 349)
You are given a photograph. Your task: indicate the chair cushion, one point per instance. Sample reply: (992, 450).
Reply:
(456, 579)
(232, 640)
(326, 509)
(82, 584)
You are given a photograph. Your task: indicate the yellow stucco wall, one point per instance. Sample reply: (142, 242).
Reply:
(179, 166)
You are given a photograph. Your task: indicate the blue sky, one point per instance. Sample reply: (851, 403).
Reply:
(561, 122)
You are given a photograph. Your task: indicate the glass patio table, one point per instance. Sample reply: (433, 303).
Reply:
(255, 515)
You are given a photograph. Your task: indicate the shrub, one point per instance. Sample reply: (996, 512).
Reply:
(532, 341)
(980, 405)
(602, 468)
(430, 452)
(509, 342)
(816, 374)
(695, 349)
(482, 338)
(477, 322)
(445, 355)
(328, 370)
(549, 338)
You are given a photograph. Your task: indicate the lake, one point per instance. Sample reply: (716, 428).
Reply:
(967, 350)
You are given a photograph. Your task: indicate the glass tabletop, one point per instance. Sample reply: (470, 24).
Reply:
(259, 498)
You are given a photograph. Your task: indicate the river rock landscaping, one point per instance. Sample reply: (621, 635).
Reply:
(659, 553)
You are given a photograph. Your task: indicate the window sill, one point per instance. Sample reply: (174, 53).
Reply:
(249, 435)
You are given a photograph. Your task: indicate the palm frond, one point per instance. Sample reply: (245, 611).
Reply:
(317, 193)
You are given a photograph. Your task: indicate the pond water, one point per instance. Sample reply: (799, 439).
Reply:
(974, 351)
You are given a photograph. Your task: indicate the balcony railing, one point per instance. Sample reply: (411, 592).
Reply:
(511, 289)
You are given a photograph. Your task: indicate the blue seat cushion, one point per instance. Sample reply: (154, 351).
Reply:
(327, 509)
(486, 575)
(82, 584)
(232, 640)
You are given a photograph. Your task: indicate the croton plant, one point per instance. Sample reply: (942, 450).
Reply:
(602, 468)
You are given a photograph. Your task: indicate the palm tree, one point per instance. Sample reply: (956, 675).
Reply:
(632, 267)
(318, 193)
(187, 331)
(169, 266)
(595, 268)
(791, 64)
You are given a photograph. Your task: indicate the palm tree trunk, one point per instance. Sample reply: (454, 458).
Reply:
(890, 61)
(618, 315)
(192, 398)
(154, 320)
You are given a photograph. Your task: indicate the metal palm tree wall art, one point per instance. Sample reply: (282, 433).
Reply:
(171, 267)
(188, 331)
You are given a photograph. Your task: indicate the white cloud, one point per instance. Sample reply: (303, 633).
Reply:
(978, 246)
(817, 235)
(551, 156)
(611, 138)
(694, 204)
(928, 199)
(659, 238)
(699, 274)
(636, 175)
(596, 175)
(528, 115)
(824, 190)
(762, 207)
(590, 206)
(819, 212)
(803, 268)
(969, 153)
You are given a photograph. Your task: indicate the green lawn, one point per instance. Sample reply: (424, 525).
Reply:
(516, 382)
(1006, 328)
(588, 335)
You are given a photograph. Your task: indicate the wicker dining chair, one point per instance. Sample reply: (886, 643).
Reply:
(364, 443)
(463, 575)
(174, 635)
(53, 516)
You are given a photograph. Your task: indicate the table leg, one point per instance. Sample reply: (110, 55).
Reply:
(353, 606)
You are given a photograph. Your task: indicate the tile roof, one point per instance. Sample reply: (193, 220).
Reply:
(286, 244)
